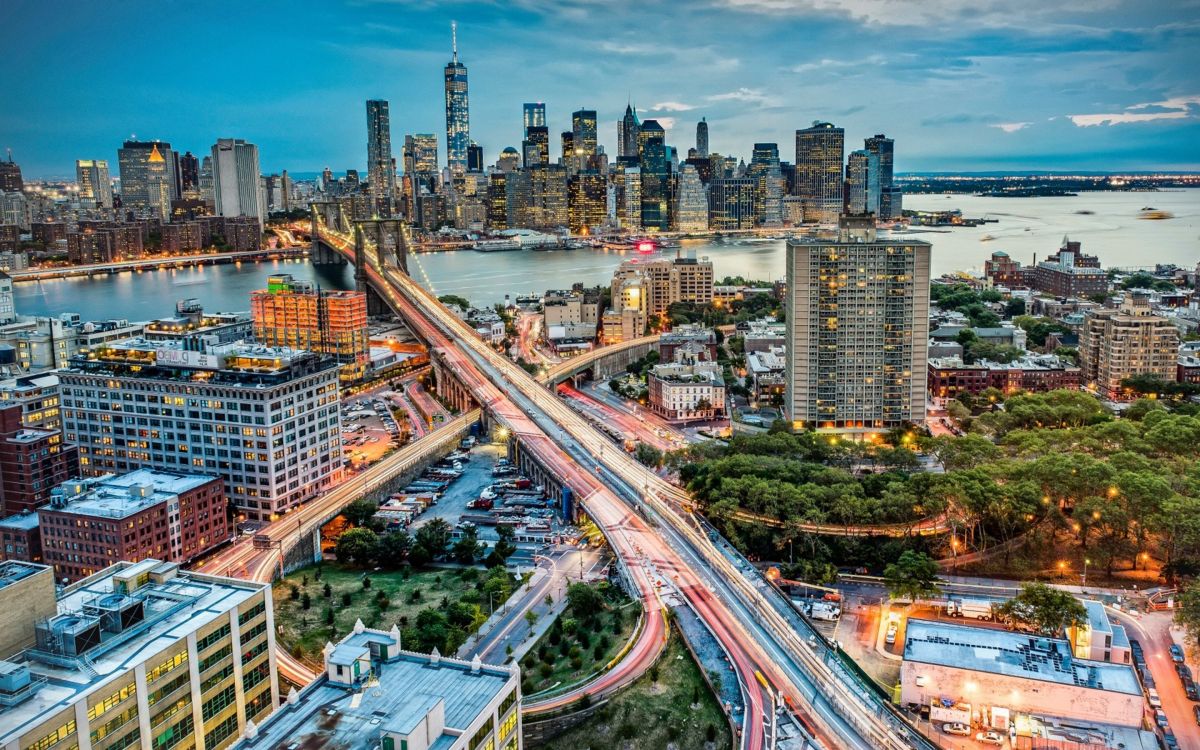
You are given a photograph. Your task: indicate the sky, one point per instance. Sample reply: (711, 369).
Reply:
(961, 86)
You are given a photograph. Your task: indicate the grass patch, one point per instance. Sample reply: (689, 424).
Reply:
(335, 592)
(575, 646)
(669, 706)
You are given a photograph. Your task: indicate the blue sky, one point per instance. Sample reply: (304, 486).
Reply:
(979, 85)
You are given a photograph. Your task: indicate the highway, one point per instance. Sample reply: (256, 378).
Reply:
(747, 617)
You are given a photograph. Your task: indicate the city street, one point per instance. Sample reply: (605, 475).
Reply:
(1154, 631)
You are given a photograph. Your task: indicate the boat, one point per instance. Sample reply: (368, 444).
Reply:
(986, 238)
(1154, 214)
(1085, 212)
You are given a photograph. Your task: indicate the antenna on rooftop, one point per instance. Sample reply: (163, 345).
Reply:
(454, 39)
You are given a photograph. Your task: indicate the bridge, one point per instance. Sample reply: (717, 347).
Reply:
(601, 363)
(156, 264)
(658, 541)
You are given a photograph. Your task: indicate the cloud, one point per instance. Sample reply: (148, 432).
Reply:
(743, 94)
(1010, 127)
(953, 14)
(1175, 108)
(672, 107)
(666, 122)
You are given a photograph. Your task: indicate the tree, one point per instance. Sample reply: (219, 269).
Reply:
(1187, 612)
(359, 512)
(432, 628)
(454, 299)
(1044, 609)
(913, 576)
(503, 548)
(394, 548)
(434, 538)
(648, 455)
(357, 546)
(584, 600)
(466, 549)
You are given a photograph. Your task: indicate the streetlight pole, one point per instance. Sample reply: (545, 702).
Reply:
(1083, 579)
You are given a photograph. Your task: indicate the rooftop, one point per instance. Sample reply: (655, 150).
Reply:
(25, 521)
(410, 685)
(183, 603)
(12, 571)
(113, 496)
(1013, 655)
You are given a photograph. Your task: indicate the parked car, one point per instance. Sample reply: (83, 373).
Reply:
(1152, 698)
(890, 638)
(1184, 671)
(962, 730)
(1189, 688)
(1169, 741)
(989, 738)
(1160, 718)
(1196, 711)
(1176, 653)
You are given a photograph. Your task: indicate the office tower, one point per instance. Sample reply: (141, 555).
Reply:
(627, 133)
(731, 203)
(147, 176)
(583, 126)
(300, 315)
(510, 159)
(1122, 343)
(421, 154)
(534, 116)
(768, 190)
(189, 172)
(862, 183)
(235, 179)
(458, 121)
(32, 461)
(858, 317)
(547, 197)
(95, 186)
(138, 655)
(819, 155)
(655, 175)
(890, 196)
(566, 141)
(587, 201)
(650, 130)
(372, 694)
(175, 517)
(474, 157)
(691, 207)
(629, 208)
(380, 173)
(702, 138)
(536, 146)
(266, 420)
(10, 176)
(497, 200)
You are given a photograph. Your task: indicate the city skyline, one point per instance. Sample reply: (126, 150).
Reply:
(1075, 94)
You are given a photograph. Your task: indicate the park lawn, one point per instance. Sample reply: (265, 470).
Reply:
(304, 633)
(562, 671)
(652, 715)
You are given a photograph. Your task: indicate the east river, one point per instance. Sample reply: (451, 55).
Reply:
(1026, 227)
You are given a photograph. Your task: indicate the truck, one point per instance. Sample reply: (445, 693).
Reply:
(828, 611)
(971, 609)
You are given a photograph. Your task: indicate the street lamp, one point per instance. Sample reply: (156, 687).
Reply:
(1062, 567)
(1083, 579)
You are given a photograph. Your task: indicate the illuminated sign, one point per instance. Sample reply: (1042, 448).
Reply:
(180, 358)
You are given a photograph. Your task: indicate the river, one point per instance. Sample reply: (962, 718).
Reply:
(1025, 227)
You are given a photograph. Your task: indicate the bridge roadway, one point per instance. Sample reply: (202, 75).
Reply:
(753, 629)
(150, 264)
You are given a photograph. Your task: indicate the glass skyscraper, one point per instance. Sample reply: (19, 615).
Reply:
(702, 138)
(534, 116)
(819, 155)
(458, 120)
(889, 195)
(380, 174)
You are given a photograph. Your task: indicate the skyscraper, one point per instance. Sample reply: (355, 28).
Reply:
(858, 318)
(731, 203)
(890, 197)
(702, 138)
(627, 133)
(764, 171)
(10, 176)
(301, 315)
(655, 176)
(458, 121)
(474, 157)
(380, 174)
(235, 179)
(691, 202)
(420, 154)
(189, 172)
(819, 156)
(534, 116)
(95, 186)
(147, 175)
(862, 183)
(583, 126)
(536, 146)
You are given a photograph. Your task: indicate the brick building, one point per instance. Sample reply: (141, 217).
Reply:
(32, 462)
(1068, 273)
(948, 376)
(1002, 270)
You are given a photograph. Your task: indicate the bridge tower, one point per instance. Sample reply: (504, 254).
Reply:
(331, 215)
(390, 239)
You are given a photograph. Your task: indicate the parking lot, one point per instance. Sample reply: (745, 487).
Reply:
(369, 429)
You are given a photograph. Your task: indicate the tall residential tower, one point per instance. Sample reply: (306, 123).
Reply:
(380, 172)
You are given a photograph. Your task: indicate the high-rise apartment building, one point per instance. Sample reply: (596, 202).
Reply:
(1115, 344)
(890, 196)
(93, 523)
(702, 139)
(534, 116)
(148, 176)
(139, 655)
(300, 315)
(664, 281)
(235, 179)
(264, 419)
(858, 318)
(628, 129)
(819, 154)
(380, 172)
(95, 186)
(691, 201)
(458, 120)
